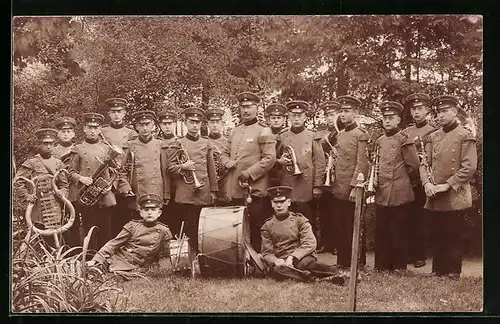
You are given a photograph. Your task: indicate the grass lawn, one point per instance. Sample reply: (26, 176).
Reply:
(377, 292)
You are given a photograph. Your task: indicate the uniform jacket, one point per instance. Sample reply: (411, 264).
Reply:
(310, 161)
(220, 145)
(453, 159)
(35, 167)
(149, 172)
(351, 160)
(253, 147)
(83, 162)
(200, 152)
(398, 164)
(118, 136)
(290, 236)
(137, 245)
(62, 152)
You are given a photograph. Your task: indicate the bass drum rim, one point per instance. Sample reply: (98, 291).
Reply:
(237, 244)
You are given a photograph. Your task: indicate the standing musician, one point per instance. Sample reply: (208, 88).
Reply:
(85, 158)
(43, 163)
(219, 143)
(276, 115)
(193, 173)
(419, 105)
(66, 133)
(117, 134)
(167, 119)
(452, 160)
(288, 243)
(398, 164)
(328, 225)
(145, 165)
(309, 160)
(351, 160)
(249, 156)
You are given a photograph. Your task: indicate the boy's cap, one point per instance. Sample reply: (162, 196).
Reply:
(149, 200)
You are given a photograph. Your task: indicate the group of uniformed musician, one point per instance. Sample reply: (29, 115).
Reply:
(185, 174)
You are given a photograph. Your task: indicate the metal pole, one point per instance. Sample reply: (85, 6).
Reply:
(355, 242)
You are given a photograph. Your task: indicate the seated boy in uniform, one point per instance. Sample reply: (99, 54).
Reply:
(140, 242)
(289, 244)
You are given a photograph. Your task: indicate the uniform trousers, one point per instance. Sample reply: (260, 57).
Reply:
(91, 216)
(259, 210)
(123, 214)
(448, 229)
(391, 237)
(309, 263)
(190, 214)
(417, 226)
(327, 224)
(343, 213)
(171, 217)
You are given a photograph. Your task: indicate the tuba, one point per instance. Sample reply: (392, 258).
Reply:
(90, 195)
(52, 216)
(188, 175)
(289, 153)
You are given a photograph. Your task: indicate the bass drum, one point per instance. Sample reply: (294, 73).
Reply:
(224, 243)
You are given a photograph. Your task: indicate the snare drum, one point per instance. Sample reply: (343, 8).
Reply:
(184, 257)
(223, 240)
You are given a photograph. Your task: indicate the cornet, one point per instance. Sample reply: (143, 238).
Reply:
(188, 175)
(289, 153)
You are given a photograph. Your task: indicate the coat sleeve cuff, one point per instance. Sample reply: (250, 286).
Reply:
(454, 184)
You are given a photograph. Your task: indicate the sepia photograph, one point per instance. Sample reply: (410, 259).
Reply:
(246, 164)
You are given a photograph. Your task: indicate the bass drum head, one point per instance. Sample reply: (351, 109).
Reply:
(222, 234)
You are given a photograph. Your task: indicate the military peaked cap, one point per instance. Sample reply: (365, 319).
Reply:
(247, 98)
(348, 102)
(276, 109)
(443, 102)
(194, 113)
(46, 135)
(214, 114)
(115, 103)
(329, 105)
(391, 107)
(280, 192)
(167, 114)
(144, 115)
(93, 119)
(417, 99)
(297, 104)
(149, 200)
(65, 122)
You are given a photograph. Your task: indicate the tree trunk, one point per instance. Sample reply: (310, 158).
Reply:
(342, 77)
(407, 48)
(205, 99)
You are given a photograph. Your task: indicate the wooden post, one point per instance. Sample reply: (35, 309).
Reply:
(355, 242)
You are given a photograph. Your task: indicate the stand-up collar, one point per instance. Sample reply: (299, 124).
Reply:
(282, 217)
(65, 144)
(276, 130)
(117, 126)
(214, 136)
(391, 132)
(451, 126)
(421, 124)
(351, 126)
(146, 140)
(250, 122)
(168, 136)
(297, 130)
(92, 141)
(192, 138)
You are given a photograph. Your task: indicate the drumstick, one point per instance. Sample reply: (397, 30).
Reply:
(181, 235)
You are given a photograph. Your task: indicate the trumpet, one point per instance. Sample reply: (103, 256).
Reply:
(220, 169)
(373, 177)
(424, 160)
(188, 175)
(289, 153)
(330, 166)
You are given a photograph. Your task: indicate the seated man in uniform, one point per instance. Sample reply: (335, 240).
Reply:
(288, 244)
(140, 242)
